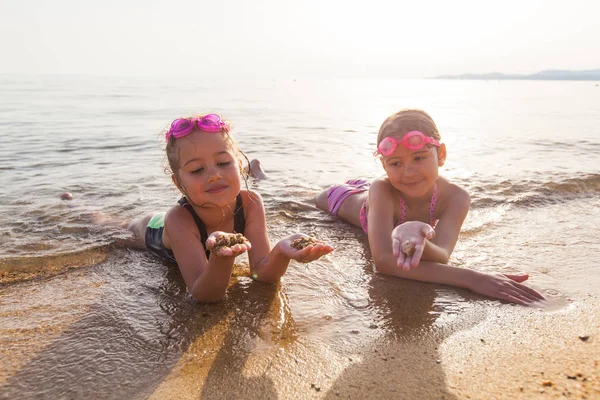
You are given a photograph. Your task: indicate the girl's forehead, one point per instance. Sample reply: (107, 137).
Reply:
(203, 143)
(204, 139)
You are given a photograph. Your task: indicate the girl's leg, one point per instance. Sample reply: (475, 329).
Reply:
(138, 228)
(321, 200)
(349, 210)
(256, 170)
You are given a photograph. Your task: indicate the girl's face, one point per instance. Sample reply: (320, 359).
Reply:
(414, 172)
(209, 172)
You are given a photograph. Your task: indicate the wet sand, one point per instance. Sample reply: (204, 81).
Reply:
(495, 351)
(260, 343)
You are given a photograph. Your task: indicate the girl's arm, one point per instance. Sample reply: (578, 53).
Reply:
(381, 201)
(433, 245)
(206, 280)
(268, 265)
(448, 227)
(499, 286)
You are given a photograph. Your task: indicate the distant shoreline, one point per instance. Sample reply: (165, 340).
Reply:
(549, 75)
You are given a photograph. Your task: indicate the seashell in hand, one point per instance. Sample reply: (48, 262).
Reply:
(408, 247)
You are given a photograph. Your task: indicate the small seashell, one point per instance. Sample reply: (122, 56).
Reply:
(408, 247)
(66, 196)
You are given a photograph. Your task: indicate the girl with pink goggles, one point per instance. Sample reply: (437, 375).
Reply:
(209, 123)
(413, 140)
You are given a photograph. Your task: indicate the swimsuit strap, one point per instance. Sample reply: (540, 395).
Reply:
(199, 223)
(402, 210)
(239, 219)
(432, 204)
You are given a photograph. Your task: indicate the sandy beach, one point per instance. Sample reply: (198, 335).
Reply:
(251, 346)
(495, 351)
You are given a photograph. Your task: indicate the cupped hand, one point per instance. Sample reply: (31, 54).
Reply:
(506, 287)
(415, 232)
(310, 253)
(226, 251)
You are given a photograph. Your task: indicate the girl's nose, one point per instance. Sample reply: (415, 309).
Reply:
(408, 169)
(213, 174)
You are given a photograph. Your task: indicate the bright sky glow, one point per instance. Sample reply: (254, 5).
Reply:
(308, 38)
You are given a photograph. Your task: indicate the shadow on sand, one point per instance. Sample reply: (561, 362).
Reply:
(132, 335)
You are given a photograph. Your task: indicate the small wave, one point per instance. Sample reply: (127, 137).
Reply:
(295, 206)
(18, 269)
(554, 145)
(308, 128)
(535, 193)
(133, 146)
(119, 95)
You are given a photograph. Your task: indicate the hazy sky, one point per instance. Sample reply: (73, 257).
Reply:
(283, 38)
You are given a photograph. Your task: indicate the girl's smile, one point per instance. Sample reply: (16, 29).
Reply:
(412, 184)
(217, 189)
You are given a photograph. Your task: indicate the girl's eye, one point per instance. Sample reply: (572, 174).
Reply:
(198, 170)
(224, 164)
(419, 158)
(395, 164)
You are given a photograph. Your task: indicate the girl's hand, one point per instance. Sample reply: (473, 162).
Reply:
(408, 243)
(307, 254)
(223, 244)
(506, 287)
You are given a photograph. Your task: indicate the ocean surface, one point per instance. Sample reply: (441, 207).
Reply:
(83, 316)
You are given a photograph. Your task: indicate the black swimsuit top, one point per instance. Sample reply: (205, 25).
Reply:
(239, 220)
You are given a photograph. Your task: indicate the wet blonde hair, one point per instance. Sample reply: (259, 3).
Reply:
(407, 120)
(172, 150)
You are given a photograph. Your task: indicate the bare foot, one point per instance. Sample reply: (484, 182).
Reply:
(256, 170)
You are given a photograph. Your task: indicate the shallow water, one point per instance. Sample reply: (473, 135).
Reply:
(76, 307)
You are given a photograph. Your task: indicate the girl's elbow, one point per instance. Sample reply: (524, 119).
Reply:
(378, 260)
(443, 259)
(205, 300)
(208, 299)
(380, 267)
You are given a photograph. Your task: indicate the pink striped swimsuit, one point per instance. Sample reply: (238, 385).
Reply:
(336, 194)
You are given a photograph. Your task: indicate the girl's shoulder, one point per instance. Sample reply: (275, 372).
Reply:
(252, 202)
(178, 215)
(382, 187)
(453, 196)
(251, 198)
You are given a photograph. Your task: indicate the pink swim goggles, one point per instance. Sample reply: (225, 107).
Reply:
(413, 140)
(183, 126)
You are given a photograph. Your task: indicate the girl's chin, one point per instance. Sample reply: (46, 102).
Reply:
(214, 201)
(414, 190)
